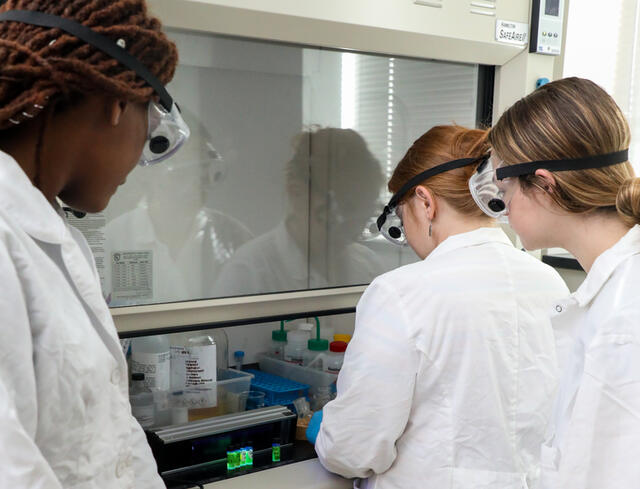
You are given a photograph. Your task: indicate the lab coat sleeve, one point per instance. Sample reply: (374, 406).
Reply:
(21, 462)
(374, 392)
(604, 432)
(144, 465)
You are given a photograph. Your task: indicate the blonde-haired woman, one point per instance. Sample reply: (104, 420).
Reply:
(448, 380)
(560, 171)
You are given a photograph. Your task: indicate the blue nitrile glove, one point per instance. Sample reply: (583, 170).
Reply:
(314, 426)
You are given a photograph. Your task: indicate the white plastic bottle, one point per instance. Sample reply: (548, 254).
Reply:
(296, 348)
(335, 357)
(194, 371)
(278, 343)
(151, 356)
(141, 398)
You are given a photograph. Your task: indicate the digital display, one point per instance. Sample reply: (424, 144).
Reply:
(552, 7)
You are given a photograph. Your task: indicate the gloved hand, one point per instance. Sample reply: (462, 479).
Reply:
(314, 426)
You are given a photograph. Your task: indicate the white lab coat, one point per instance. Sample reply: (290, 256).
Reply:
(449, 378)
(273, 262)
(186, 274)
(65, 418)
(593, 441)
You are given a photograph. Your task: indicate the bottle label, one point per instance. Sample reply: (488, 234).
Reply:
(144, 415)
(193, 371)
(155, 367)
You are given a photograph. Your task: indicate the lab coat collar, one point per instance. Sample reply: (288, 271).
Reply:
(27, 205)
(471, 238)
(604, 266)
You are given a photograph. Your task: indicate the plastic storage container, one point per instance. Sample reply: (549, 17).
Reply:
(230, 386)
(297, 373)
(277, 390)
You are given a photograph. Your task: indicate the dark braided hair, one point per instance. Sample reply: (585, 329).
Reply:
(40, 66)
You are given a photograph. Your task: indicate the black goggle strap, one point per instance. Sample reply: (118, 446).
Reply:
(419, 178)
(586, 163)
(97, 40)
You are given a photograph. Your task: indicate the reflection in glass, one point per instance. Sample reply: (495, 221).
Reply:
(283, 176)
(171, 245)
(332, 183)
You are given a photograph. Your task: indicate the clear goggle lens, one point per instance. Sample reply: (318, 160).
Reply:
(488, 193)
(392, 228)
(167, 133)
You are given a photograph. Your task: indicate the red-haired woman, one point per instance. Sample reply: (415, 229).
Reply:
(449, 377)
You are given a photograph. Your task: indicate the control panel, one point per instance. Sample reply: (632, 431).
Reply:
(546, 26)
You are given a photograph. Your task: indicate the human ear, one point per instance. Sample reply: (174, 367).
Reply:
(426, 198)
(116, 110)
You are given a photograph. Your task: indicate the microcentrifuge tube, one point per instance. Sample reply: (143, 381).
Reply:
(275, 452)
(250, 456)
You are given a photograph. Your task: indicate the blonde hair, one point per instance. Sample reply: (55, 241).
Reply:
(438, 145)
(572, 118)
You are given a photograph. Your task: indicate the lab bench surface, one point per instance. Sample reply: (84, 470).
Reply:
(300, 475)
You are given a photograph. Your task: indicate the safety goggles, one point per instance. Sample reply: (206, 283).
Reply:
(390, 221)
(167, 133)
(494, 183)
(167, 129)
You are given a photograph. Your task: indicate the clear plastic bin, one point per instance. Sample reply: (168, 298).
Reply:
(297, 373)
(230, 386)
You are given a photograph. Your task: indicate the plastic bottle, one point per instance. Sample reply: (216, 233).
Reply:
(222, 347)
(335, 357)
(316, 353)
(278, 342)
(194, 371)
(296, 347)
(141, 398)
(316, 349)
(342, 337)
(151, 356)
(239, 358)
(307, 327)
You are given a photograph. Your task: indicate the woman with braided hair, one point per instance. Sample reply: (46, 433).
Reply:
(82, 100)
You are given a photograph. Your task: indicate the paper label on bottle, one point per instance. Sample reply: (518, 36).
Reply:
(144, 415)
(193, 371)
(155, 367)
